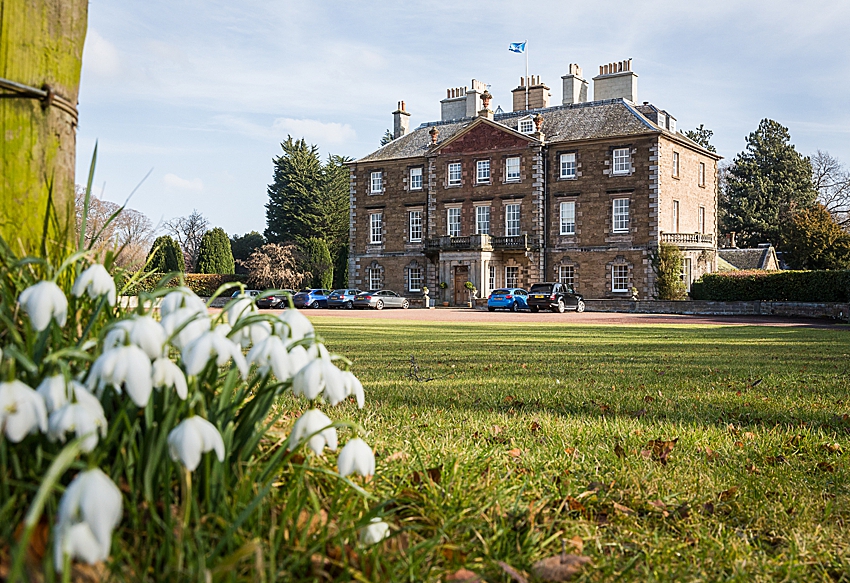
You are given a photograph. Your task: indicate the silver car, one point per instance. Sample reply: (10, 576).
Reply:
(381, 299)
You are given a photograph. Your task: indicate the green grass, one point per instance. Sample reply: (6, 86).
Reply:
(527, 421)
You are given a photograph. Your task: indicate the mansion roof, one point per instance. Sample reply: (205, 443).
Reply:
(564, 123)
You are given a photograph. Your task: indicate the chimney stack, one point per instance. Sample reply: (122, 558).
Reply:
(461, 102)
(615, 81)
(401, 121)
(575, 87)
(538, 93)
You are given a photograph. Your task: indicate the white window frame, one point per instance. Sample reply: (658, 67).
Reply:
(567, 275)
(492, 278)
(453, 221)
(376, 228)
(568, 166)
(415, 226)
(686, 273)
(416, 173)
(619, 219)
(376, 185)
(621, 161)
(512, 176)
(701, 177)
(454, 173)
(676, 216)
(512, 276)
(619, 278)
(701, 220)
(512, 220)
(482, 219)
(374, 278)
(568, 217)
(525, 126)
(482, 171)
(675, 164)
(414, 279)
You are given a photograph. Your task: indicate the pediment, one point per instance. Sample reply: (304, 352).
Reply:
(483, 135)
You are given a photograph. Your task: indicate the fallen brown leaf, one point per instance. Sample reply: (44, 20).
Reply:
(535, 426)
(310, 521)
(773, 460)
(453, 554)
(619, 451)
(661, 449)
(728, 494)
(577, 544)
(397, 456)
(465, 576)
(575, 504)
(569, 450)
(624, 509)
(561, 567)
(513, 573)
(648, 399)
(826, 467)
(434, 474)
(711, 454)
(832, 448)
(751, 468)
(515, 452)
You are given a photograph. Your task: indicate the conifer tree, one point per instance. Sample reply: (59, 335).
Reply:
(165, 256)
(214, 255)
(765, 184)
(317, 260)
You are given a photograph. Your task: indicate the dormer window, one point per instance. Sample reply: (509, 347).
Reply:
(526, 126)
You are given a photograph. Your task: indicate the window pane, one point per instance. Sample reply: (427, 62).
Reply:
(492, 277)
(621, 215)
(568, 218)
(511, 276)
(415, 178)
(568, 165)
(414, 277)
(621, 161)
(566, 275)
(376, 228)
(512, 168)
(377, 182)
(415, 226)
(482, 220)
(512, 227)
(454, 173)
(454, 222)
(620, 278)
(482, 168)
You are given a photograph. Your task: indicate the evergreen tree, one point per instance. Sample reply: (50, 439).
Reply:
(214, 255)
(817, 241)
(387, 138)
(667, 264)
(241, 246)
(702, 136)
(765, 184)
(165, 256)
(341, 268)
(317, 260)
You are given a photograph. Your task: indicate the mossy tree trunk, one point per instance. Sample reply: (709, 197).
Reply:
(41, 44)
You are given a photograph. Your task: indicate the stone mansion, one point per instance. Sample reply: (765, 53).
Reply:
(581, 193)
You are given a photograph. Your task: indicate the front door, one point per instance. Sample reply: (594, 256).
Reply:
(461, 277)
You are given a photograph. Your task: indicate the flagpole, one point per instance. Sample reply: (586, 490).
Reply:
(527, 81)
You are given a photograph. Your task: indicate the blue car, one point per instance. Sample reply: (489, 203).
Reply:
(512, 299)
(342, 298)
(311, 298)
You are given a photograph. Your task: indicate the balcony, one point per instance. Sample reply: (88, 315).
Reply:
(698, 240)
(480, 243)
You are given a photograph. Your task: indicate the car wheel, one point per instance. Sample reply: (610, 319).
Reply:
(491, 308)
(535, 309)
(349, 305)
(316, 305)
(514, 307)
(379, 305)
(405, 304)
(560, 307)
(580, 306)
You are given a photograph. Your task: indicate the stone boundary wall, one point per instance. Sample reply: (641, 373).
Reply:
(834, 311)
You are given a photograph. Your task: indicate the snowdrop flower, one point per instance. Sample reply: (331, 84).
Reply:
(84, 417)
(310, 422)
(191, 323)
(143, 331)
(193, 437)
(353, 386)
(271, 354)
(182, 297)
(213, 343)
(54, 391)
(298, 357)
(42, 302)
(298, 324)
(320, 374)
(356, 456)
(22, 411)
(97, 282)
(89, 511)
(377, 531)
(242, 307)
(167, 374)
(124, 365)
(251, 334)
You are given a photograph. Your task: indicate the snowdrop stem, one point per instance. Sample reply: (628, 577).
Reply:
(92, 320)
(186, 506)
(62, 462)
(343, 479)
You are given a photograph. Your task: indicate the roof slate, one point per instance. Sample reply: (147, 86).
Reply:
(564, 123)
(746, 258)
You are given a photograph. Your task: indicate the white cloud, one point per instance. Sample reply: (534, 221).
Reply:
(100, 56)
(174, 181)
(315, 131)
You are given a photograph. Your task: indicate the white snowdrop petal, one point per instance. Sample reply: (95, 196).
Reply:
(78, 542)
(22, 411)
(310, 422)
(54, 391)
(97, 282)
(377, 531)
(357, 457)
(42, 302)
(335, 389)
(309, 381)
(193, 437)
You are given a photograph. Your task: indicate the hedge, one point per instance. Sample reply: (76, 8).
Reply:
(774, 286)
(203, 284)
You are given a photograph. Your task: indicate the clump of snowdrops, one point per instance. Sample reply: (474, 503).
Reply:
(149, 425)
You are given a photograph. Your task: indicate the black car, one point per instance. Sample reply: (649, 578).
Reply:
(557, 297)
(277, 301)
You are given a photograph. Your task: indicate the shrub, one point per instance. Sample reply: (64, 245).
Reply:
(214, 255)
(165, 256)
(789, 286)
(274, 266)
(203, 284)
(317, 260)
(667, 264)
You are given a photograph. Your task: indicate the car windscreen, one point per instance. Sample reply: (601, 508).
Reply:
(501, 292)
(541, 288)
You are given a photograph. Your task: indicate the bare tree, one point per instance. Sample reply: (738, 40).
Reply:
(832, 181)
(126, 232)
(188, 232)
(275, 266)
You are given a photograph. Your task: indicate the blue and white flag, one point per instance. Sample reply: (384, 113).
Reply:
(517, 47)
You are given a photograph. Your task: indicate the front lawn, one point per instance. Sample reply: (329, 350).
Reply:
(539, 434)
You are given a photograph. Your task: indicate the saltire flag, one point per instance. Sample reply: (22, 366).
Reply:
(517, 47)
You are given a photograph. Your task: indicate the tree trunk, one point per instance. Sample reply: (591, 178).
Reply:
(41, 45)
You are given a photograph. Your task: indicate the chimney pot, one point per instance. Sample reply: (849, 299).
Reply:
(434, 133)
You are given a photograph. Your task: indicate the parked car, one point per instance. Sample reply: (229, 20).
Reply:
(311, 298)
(342, 298)
(557, 297)
(277, 301)
(249, 293)
(381, 299)
(508, 298)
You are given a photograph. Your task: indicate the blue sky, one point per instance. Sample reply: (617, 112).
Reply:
(203, 92)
